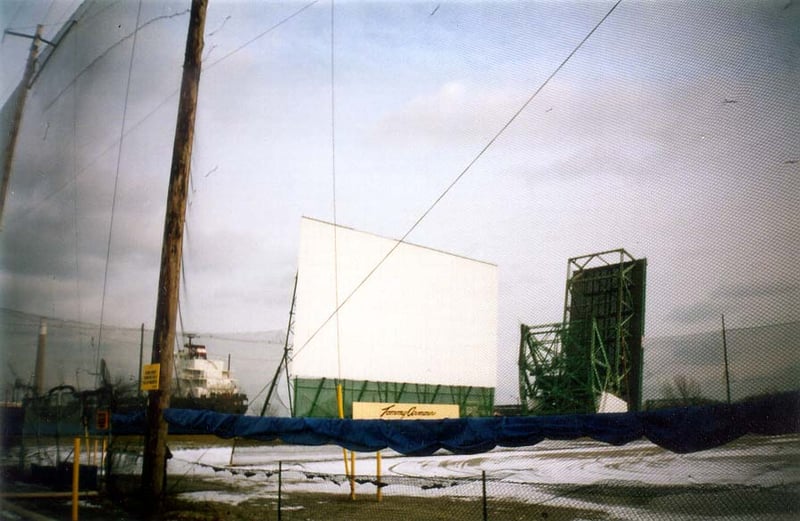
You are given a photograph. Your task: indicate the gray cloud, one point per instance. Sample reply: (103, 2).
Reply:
(783, 290)
(761, 359)
(693, 313)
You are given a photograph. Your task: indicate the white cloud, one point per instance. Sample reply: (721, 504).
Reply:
(456, 111)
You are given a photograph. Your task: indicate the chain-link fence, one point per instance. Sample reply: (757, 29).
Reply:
(751, 478)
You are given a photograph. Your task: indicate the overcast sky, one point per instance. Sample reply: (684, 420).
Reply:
(673, 132)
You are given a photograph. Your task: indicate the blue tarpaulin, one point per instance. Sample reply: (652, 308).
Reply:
(681, 430)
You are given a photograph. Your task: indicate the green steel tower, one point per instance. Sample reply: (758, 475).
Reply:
(566, 368)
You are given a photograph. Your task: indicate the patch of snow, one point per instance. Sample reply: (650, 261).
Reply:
(215, 496)
(760, 462)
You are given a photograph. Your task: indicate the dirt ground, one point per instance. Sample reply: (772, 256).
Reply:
(305, 506)
(308, 506)
(613, 502)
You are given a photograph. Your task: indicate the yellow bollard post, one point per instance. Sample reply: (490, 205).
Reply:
(346, 465)
(340, 404)
(103, 456)
(76, 470)
(88, 446)
(340, 400)
(379, 492)
(351, 471)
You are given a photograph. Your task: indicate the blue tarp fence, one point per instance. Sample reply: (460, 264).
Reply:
(681, 430)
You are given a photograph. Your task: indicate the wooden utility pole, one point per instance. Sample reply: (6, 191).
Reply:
(19, 97)
(155, 450)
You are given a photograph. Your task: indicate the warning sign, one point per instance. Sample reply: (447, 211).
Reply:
(150, 377)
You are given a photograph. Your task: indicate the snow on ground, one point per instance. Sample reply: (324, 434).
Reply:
(753, 461)
(753, 475)
(538, 474)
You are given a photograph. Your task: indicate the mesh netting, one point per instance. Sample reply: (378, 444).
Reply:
(752, 478)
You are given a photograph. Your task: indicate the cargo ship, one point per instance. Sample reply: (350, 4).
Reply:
(205, 383)
(200, 383)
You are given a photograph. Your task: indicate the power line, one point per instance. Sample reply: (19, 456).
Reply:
(114, 196)
(75, 191)
(333, 176)
(105, 53)
(36, 206)
(459, 176)
(207, 68)
(261, 35)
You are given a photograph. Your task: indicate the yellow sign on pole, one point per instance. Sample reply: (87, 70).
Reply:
(150, 377)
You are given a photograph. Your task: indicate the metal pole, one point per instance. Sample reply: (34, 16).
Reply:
(272, 384)
(76, 470)
(280, 487)
(141, 353)
(154, 462)
(725, 354)
(352, 475)
(485, 507)
(285, 358)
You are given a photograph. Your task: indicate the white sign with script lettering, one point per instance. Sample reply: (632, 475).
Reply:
(403, 411)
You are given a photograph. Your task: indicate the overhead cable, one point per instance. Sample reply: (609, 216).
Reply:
(114, 195)
(460, 176)
(163, 102)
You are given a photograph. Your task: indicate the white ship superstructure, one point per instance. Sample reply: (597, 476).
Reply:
(201, 377)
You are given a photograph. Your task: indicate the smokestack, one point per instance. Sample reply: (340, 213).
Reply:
(39, 375)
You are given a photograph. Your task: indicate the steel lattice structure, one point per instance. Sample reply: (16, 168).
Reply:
(565, 368)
